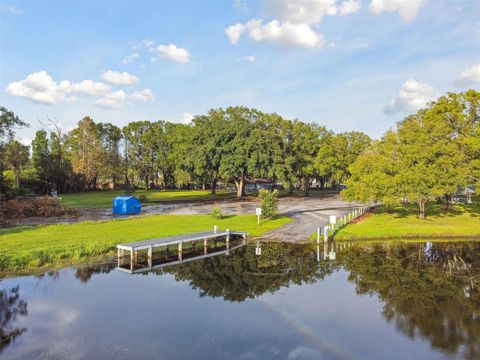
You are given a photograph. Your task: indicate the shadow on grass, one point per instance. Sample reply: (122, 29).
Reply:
(433, 210)
(14, 230)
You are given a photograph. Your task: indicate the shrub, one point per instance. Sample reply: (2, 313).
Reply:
(216, 213)
(143, 198)
(268, 203)
(33, 207)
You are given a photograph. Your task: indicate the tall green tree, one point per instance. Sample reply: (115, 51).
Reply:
(235, 164)
(9, 121)
(420, 162)
(110, 138)
(208, 138)
(146, 148)
(16, 158)
(86, 151)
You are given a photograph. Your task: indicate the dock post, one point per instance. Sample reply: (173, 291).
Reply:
(325, 233)
(244, 238)
(180, 251)
(205, 246)
(132, 260)
(227, 240)
(150, 252)
(318, 235)
(215, 229)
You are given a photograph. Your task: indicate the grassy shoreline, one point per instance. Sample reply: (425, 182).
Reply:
(28, 248)
(403, 223)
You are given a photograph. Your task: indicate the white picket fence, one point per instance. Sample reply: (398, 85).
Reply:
(329, 230)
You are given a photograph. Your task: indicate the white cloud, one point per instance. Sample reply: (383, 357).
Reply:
(128, 59)
(173, 53)
(293, 22)
(39, 87)
(86, 87)
(248, 58)
(113, 100)
(469, 77)
(411, 97)
(301, 11)
(186, 118)
(407, 9)
(350, 7)
(234, 32)
(142, 96)
(13, 9)
(118, 78)
(285, 34)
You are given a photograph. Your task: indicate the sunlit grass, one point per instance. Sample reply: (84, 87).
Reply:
(403, 222)
(53, 245)
(93, 199)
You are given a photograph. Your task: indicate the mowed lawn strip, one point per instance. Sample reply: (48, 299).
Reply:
(97, 199)
(463, 220)
(53, 245)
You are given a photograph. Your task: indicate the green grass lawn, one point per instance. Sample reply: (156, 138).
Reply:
(403, 222)
(49, 246)
(96, 199)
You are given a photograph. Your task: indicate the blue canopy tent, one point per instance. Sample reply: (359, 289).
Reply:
(126, 205)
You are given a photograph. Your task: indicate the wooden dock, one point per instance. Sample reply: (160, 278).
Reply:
(177, 240)
(150, 267)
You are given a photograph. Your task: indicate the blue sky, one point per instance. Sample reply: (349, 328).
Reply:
(346, 64)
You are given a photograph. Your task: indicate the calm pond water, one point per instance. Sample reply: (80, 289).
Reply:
(376, 301)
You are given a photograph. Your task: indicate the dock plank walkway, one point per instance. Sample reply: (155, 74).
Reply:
(176, 239)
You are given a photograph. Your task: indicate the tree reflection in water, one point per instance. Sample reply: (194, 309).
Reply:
(428, 290)
(11, 307)
(243, 275)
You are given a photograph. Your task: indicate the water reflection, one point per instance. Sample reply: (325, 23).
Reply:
(428, 290)
(11, 308)
(417, 293)
(244, 274)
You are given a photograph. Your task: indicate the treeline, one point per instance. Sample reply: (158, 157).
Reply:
(428, 157)
(225, 146)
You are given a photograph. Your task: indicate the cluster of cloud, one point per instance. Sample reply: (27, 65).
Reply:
(414, 95)
(295, 22)
(41, 88)
(469, 77)
(407, 9)
(170, 52)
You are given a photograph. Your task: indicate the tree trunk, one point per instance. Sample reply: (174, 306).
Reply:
(322, 182)
(146, 183)
(214, 186)
(421, 206)
(306, 186)
(448, 202)
(17, 178)
(240, 184)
